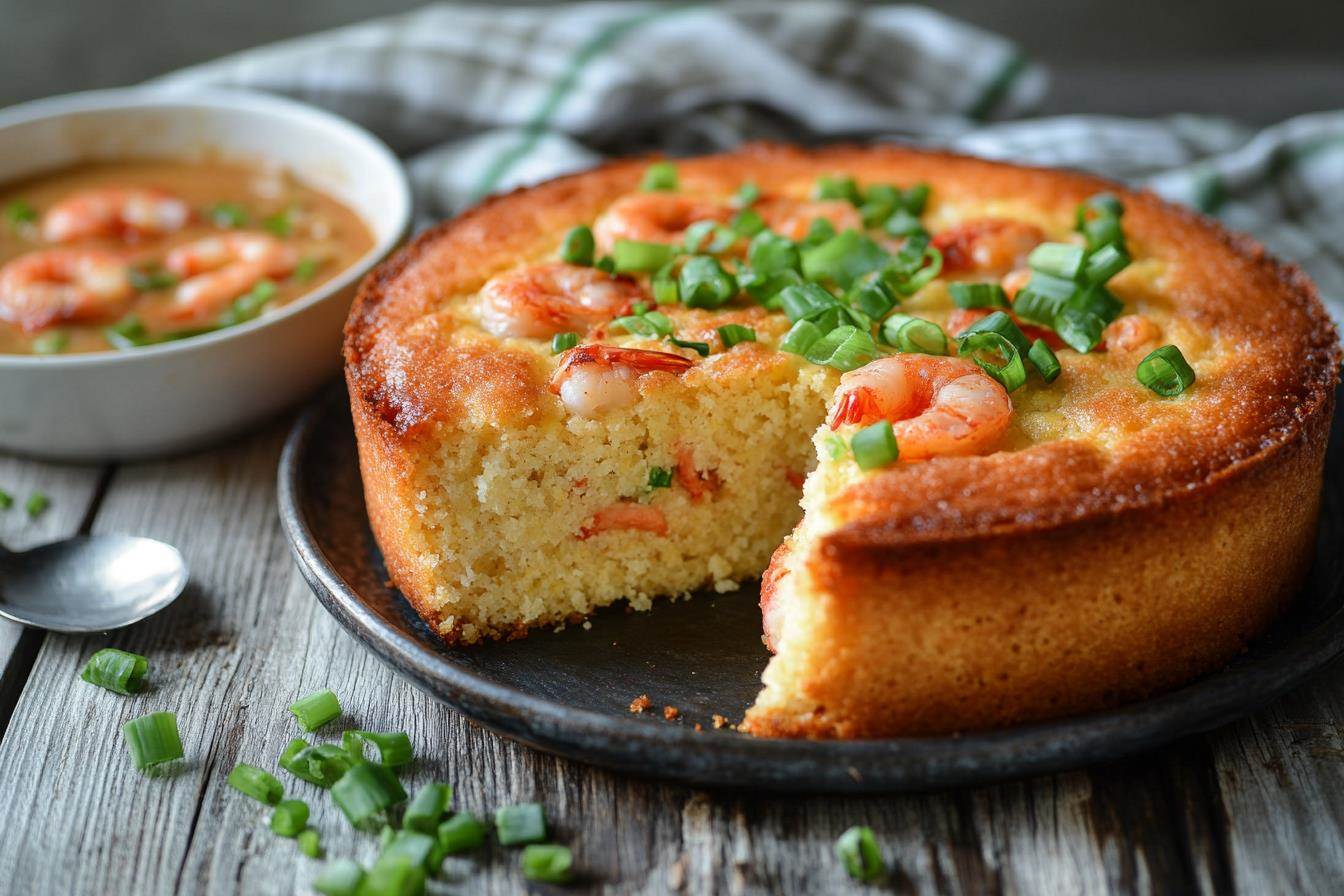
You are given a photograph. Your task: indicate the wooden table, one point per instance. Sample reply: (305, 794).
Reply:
(1254, 808)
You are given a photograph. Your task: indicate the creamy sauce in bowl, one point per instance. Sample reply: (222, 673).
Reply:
(119, 255)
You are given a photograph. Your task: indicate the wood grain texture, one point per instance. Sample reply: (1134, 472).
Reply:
(1256, 808)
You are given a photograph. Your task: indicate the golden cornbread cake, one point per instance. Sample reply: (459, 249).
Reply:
(1058, 444)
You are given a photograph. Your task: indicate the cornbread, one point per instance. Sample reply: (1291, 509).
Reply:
(1110, 543)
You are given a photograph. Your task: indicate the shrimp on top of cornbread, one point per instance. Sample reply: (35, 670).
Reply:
(1026, 392)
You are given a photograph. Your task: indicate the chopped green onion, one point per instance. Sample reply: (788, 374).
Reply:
(385, 836)
(871, 295)
(289, 818)
(664, 286)
(914, 335)
(732, 334)
(660, 477)
(546, 862)
(606, 264)
(700, 348)
(844, 258)
(698, 235)
(461, 832)
(1103, 231)
(1063, 260)
(394, 748)
(306, 269)
(879, 202)
(1101, 205)
(250, 304)
(844, 348)
(875, 446)
(978, 295)
(427, 807)
(1043, 359)
(365, 791)
(563, 342)
(153, 739)
(410, 846)
(636, 256)
(310, 844)
(316, 710)
(818, 232)
(746, 195)
(6, 500)
(341, 877)
(257, 783)
(1104, 263)
(394, 877)
(904, 223)
(660, 177)
(836, 448)
(18, 213)
(52, 342)
(1082, 319)
(770, 253)
(1000, 323)
(151, 278)
(705, 284)
(280, 224)
(299, 768)
(653, 324)
(229, 215)
(986, 348)
(858, 853)
(36, 504)
(748, 223)
(916, 198)
(1040, 301)
(914, 265)
(836, 187)
(579, 246)
(523, 823)
(1166, 371)
(801, 337)
(809, 301)
(129, 332)
(116, 670)
(320, 764)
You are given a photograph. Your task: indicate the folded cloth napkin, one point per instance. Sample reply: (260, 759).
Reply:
(481, 99)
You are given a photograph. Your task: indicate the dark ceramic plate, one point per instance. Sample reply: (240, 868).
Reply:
(569, 693)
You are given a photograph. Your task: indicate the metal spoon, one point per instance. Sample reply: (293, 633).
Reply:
(90, 583)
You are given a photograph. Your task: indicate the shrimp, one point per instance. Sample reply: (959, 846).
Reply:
(219, 269)
(995, 245)
(625, 515)
(654, 218)
(937, 406)
(1132, 331)
(699, 485)
(593, 379)
(54, 286)
(545, 299)
(792, 218)
(127, 213)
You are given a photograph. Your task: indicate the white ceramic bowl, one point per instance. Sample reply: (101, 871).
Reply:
(179, 395)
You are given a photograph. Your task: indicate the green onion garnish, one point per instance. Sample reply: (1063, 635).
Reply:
(153, 739)
(836, 448)
(653, 324)
(1166, 371)
(660, 477)
(546, 862)
(461, 832)
(250, 304)
(306, 269)
(1104, 263)
(1063, 260)
(747, 223)
(879, 202)
(999, 322)
(811, 302)
(978, 295)
(997, 356)
(844, 348)
(365, 791)
(563, 342)
(875, 446)
(151, 278)
(659, 177)
(6, 500)
(257, 783)
(1044, 360)
(290, 762)
(523, 823)
(340, 877)
(835, 187)
(636, 256)
(316, 710)
(116, 670)
(279, 223)
(700, 348)
(229, 215)
(904, 223)
(1042, 298)
(664, 286)
(289, 818)
(704, 283)
(746, 195)
(916, 198)
(914, 265)
(1082, 319)
(37, 503)
(858, 853)
(394, 748)
(579, 246)
(427, 807)
(801, 337)
(18, 213)
(606, 264)
(770, 253)
(732, 334)
(310, 844)
(914, 335)
(871, 295)
(411, 846)
(844, 258)
(320, 764)
(818, 232)
(395, 876)
(52, 342)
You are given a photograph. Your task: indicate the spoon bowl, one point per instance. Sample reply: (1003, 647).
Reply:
(90, 583)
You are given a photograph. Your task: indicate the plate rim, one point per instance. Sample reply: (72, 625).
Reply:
(722, 759)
